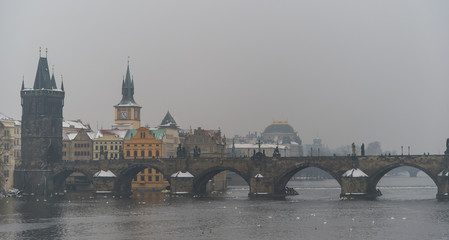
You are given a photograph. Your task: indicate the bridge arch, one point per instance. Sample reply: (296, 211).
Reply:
(126, 175)
(285, 177)
(60, 177)
(200, 181)
(380, 173)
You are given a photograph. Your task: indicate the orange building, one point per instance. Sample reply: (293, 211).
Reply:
(141, 144)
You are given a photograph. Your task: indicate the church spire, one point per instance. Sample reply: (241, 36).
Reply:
(128, 89)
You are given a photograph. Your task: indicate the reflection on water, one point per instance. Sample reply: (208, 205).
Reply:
(407, 210)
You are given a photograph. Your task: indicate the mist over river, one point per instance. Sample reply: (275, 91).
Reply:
(408, 210)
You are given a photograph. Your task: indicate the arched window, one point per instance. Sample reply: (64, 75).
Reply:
(143, 153)
(157, 153)
(150, 153)
(128, 154)
(135, 154)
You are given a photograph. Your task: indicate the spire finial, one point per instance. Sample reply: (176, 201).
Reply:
(128, 60)
(53, 69)
(46, 52)
(62, 83)
(40, 51)
(23, 82)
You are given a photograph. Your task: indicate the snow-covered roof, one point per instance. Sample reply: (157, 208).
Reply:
(74, 124)
(355, 172)
(102, 173)
(18, 123)
(4, 117)
(258, 176)
(255, 146)
(180, 174)
(70, 135)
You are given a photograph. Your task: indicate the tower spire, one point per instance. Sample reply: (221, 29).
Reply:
(62, 83)
(23, 82)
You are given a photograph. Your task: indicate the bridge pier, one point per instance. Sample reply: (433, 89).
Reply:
(263, 187)
(181, 183)
(356, 188)
(34, 181)
(443, 187)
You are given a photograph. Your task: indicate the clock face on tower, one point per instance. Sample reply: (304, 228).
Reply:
(124, 115)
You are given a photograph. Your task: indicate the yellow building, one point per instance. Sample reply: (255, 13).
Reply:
(108, 144)
(141, 144)
(6, 152)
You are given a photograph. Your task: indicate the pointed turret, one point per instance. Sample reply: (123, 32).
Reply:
(168, 121)
(53, 81)
(42, 80)
(62, 84)
(23, 84)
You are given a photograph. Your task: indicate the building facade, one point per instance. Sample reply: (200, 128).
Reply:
(209, 142)
(7, 140)
(77, 146)
(142, 144)
(108, 144)
(169, 135)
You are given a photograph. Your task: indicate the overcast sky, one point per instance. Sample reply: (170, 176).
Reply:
(344, 71)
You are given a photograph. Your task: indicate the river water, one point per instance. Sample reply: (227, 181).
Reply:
(407, 210)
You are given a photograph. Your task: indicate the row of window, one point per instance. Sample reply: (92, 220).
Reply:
(150, 178)
(112, 155)
(142, 154)
(82, 145)
(143, 145)
(149, 170)
(82, 153)
(110, 148)
(95, 142)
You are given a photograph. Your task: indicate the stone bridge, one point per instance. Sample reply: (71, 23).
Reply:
(267, 177)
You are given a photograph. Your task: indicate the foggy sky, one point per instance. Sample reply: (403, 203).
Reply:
(343, 71)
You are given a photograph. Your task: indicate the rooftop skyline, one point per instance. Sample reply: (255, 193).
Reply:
(344, 71)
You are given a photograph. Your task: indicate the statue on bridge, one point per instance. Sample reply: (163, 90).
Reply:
(353, 149)
(447, 147)
(362, 150)
(181, 151)
(276, 152)
(196, 151)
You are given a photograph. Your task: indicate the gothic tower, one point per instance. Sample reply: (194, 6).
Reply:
(42, 120)
(127, 112)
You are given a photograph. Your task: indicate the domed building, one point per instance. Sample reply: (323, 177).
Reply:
(280, 132)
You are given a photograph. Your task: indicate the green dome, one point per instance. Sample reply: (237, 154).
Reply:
(279, 127)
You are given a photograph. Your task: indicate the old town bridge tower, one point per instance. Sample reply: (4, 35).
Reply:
(127, 111)
(41, 125)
